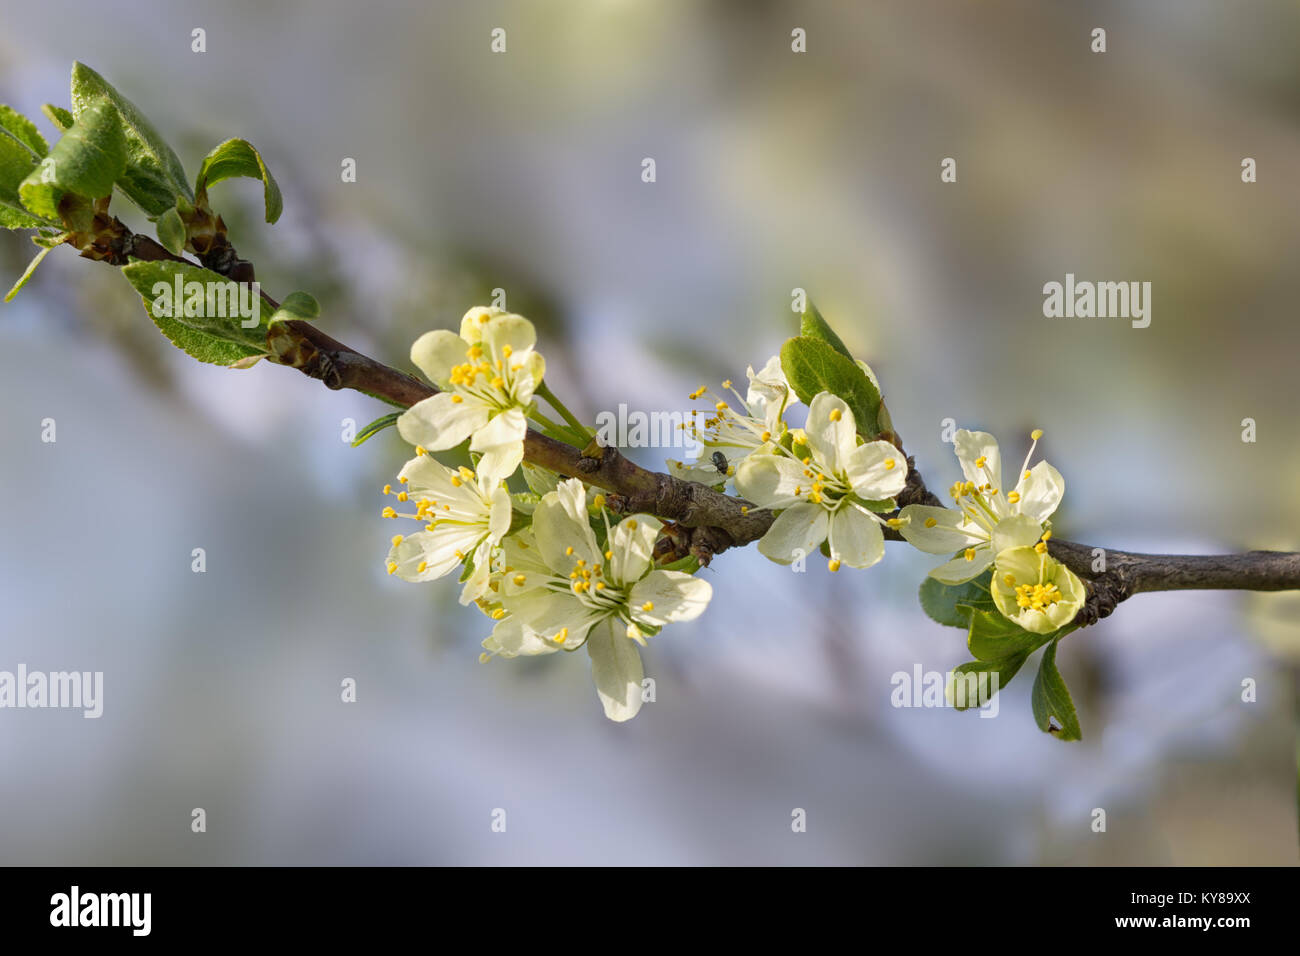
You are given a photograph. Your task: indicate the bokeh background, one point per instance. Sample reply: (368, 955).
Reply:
(775, 170)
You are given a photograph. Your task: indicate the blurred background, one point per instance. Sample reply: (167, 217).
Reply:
(775, 170)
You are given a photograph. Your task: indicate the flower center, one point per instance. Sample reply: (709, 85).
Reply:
(497, 376)
(1037, 597)
(588, 583)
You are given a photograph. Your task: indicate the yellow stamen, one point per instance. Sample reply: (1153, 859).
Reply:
(833, 564)
(930, 522)
(835, 415)
(389, 512)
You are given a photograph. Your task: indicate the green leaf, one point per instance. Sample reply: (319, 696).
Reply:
(944, 602)
(16, 163)
(813, 326)
(237, 157)
(993, 637)
(1051, 700)
(23, 130)
(85, 162)
(27, 274)
(217, 339)
(154, 178)
(171, 231)
(1004, 670)
(61, 119)
(813, 366)
(297, 305)
(375, 427)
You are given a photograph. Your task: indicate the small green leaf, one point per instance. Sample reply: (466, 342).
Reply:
(23, 130)
(217, 339)
(375, 427)
(48, 238)
(1052, 702)
(881, 505)
(16, 163)
(297, 305)
(813, 326)
(86, 162)
(813, 366)
(993, 637)
(237, 157)
(60, 118)
(171, 231)
(27, 274)
(944, 603)
(154, 178)
(1003, 670)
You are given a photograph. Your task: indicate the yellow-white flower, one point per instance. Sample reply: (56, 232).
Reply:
(465, 516)
(487, 374)
(1035, 590)
(737, 432)
(559, 591)
(830, 493)
(987, 518)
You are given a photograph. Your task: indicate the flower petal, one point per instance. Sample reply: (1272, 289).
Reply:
(876, 470)
(970, 447)
(439, 422)
(557, 531)
(951, 531)
(616, 671)
(796, 533)
(436, 550)
(1041, 492)
(959, 570)
(436, 353)
(1018, 531)
(512, 330)
(831, 437)
(513, 638)
(632, 542)
(770, 480)
(671, 596)
(501, 442)
(855, 539)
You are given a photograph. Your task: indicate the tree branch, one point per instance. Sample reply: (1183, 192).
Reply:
(705, 522)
